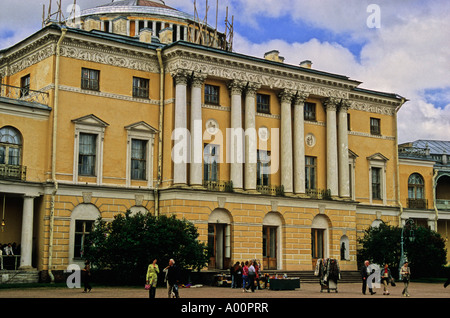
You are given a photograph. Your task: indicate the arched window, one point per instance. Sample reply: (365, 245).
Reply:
(10, 146)
(415, 186)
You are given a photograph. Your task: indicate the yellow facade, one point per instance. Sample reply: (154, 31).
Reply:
(241, 217)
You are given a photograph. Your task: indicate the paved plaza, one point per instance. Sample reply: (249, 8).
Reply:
(306, 290)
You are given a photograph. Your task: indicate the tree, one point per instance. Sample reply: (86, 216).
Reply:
(426, 253)
(129, 243)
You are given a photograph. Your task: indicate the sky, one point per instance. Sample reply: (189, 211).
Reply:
(394, 46)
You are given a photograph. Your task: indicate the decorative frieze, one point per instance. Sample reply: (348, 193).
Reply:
(109, 57)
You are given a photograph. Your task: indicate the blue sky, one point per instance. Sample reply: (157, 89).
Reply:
(408, 54)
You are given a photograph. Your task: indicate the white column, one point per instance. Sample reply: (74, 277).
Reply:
(196, 130)
(344, 182)
(235, 137)
(299, 143)
(332, 157)
(286, 141)
(179, 154)
(27, 233)
(178, 32)
(251, 142)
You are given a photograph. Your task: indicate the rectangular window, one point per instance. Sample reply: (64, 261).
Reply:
(349, 126)
(211, 94)
(375, 126)
(82, 230)
(376, 183)
(310, 172)
(87, 154)
(90, 79)
(141, 87)
(263, 168)
(263, 103)
(211, 163)
(138, 159)
(310, 111)
(25, 86)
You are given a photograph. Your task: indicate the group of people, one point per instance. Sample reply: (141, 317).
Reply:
(385, 277)
(172, 278)
(246, 275)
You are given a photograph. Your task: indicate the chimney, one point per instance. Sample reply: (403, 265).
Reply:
(274, 55)
(306, 64)
(146, 35)
(166, 36)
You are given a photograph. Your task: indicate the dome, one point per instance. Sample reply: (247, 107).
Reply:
(137, 7)
(134, 18)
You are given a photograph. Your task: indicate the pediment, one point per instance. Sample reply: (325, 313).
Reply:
(90, 120)
(141, 126)
(378, 157)
(352, 154)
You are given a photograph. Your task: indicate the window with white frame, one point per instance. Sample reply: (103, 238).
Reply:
(88, 147)
(377, 177)
(140, 145)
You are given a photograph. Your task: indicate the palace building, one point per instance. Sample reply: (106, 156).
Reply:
(138, 107)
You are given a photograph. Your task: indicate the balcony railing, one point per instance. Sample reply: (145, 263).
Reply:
(319, 194)
(218, 186)
(9, 172)
(24, 94)
(443, 204)
(417, 203)
(270, 190)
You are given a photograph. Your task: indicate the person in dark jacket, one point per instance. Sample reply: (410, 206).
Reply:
(172, 277)
(365, 273)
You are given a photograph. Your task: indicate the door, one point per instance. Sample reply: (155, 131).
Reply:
(219, 245)
(270, 247)
(317, 245)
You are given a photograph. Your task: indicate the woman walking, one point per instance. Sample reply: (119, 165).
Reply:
(405, 274)
(152, 278)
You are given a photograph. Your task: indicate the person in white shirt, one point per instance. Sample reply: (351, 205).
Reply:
(9, 250)
(251, 276)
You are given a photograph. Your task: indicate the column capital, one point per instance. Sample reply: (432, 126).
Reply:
(180, 76)
(301, 98)
(236, 87)
(345, 105)
(331, 103)
(198, 79)
(286, 95)
(252, 88)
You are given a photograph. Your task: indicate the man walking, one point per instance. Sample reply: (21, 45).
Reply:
(172, 279)
(365, 273)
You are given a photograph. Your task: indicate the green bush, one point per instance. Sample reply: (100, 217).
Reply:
(127, 245)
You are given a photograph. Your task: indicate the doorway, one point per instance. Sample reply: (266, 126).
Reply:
(317, 245)
(219, 246)
(270, 247)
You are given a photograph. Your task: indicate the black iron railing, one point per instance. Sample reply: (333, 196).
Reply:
(24, 93)
(10, 172)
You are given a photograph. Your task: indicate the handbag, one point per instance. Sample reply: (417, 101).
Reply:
(393, 283)
(147, 286)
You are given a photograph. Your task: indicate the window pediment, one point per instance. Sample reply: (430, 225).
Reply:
(377, 157)
(90, 120)
(141, 126)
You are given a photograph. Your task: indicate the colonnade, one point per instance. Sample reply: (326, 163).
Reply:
(243, 173)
